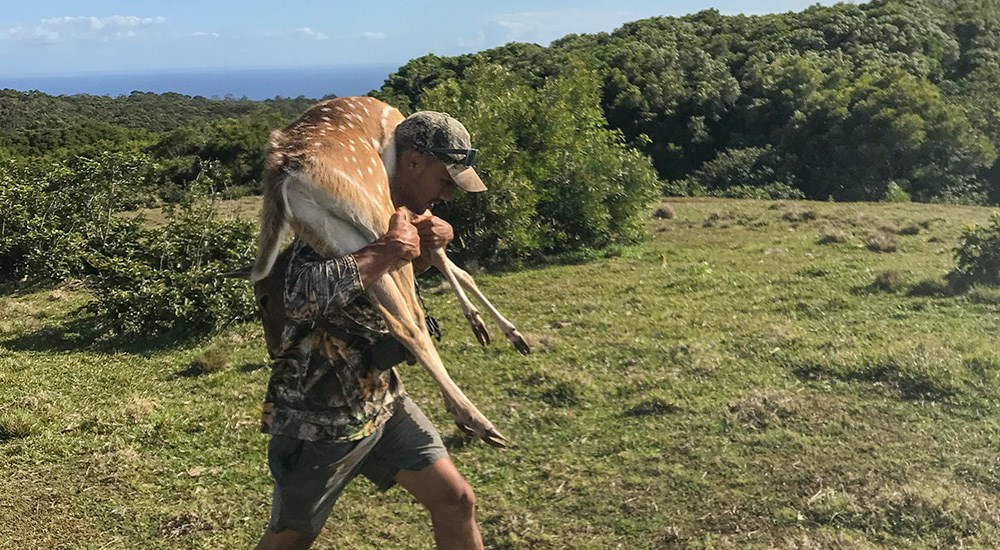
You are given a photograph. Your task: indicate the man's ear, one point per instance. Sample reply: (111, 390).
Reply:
(412, 158)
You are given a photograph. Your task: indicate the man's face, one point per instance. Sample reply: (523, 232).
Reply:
(427, 183)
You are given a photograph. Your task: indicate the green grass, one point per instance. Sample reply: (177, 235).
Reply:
(738, 381)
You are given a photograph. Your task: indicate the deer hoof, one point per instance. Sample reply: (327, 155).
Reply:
(478, 328)
(519, 342)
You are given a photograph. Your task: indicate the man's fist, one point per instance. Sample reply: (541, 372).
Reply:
(434, 232)
(403, 234)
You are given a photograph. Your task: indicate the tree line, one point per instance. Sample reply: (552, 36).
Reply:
(887, 99)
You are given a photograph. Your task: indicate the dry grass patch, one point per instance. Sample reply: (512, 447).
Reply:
(762, 409)
(15, 425)
(798, 215)
(889, 281)
(832, 235)
(140, 408)
(665, 212)
(881, 243)
(212, 359)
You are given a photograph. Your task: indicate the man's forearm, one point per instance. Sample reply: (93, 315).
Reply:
(377, 259)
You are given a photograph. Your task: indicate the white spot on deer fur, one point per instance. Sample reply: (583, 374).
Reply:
(370, 170)
(352, 148)
(326, 118)
(317, 144)
(325, 109)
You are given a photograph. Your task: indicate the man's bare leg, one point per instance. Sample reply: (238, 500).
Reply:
(285, 540)
(451, 502)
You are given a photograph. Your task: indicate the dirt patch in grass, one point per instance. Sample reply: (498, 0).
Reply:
(761, 409)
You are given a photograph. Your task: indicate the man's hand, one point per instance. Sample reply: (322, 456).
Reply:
(404, 235)
(434, 232)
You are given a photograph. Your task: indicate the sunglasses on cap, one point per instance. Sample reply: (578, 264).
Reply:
(470, 155)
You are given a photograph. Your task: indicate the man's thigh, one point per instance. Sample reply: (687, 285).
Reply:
(409, 443)
(309, 477)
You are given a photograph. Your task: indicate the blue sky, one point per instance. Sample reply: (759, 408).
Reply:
(62, 37)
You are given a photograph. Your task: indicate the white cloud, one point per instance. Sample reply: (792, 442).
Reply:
(79, 28)
(374, 35)
(201, 34)
(543, 27)
(309, 33)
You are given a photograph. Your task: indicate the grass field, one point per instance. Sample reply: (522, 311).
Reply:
(738, 381)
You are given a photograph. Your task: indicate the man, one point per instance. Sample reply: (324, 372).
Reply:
(335, 405)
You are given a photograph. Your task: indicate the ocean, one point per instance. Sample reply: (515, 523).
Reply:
(256, 84)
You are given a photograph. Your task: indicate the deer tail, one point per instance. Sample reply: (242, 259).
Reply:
(274, 213)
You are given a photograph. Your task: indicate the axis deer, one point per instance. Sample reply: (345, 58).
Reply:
(327, 177)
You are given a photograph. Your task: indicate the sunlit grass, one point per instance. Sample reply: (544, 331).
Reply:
(731, 383)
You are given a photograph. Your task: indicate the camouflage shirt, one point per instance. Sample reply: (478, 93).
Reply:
(321, 385)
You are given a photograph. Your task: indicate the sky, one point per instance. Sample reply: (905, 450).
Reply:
(71, 37)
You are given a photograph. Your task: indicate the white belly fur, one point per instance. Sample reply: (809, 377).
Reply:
(344, 229)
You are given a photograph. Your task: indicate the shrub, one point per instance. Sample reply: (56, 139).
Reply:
(51, 215)
(770, 191)
(978, 256)
(895, 193)
(747, 173)
(170, 280)
(559, 179)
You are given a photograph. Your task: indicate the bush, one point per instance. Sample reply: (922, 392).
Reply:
(895, 193)
(770, 192)
(170, 280)
(51, 215)
(559, 179)
(978, 256)
(746, 173)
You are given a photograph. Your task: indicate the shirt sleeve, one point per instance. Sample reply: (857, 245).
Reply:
(317, 289)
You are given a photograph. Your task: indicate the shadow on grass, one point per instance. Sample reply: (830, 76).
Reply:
(907, 384)
(252, 367)
(87, 333)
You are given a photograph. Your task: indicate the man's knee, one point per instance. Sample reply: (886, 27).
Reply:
(458, 500)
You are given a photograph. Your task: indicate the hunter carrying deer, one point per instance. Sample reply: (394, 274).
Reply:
(355, 181)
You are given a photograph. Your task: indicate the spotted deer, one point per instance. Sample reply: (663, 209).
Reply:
(327, 177)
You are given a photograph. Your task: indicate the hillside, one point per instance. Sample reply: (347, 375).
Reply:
(731, 383)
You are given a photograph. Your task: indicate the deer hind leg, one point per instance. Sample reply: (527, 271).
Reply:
(405, 321)
(508, 328)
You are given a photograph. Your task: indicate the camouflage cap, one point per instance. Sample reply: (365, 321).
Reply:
(445, 138)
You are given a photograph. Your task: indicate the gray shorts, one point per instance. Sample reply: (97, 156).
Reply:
(310, 475)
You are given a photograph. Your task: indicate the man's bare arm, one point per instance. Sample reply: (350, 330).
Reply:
(401, 242)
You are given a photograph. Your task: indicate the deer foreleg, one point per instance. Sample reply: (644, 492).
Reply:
(441, 262)
(405, 324)
(509, 330)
